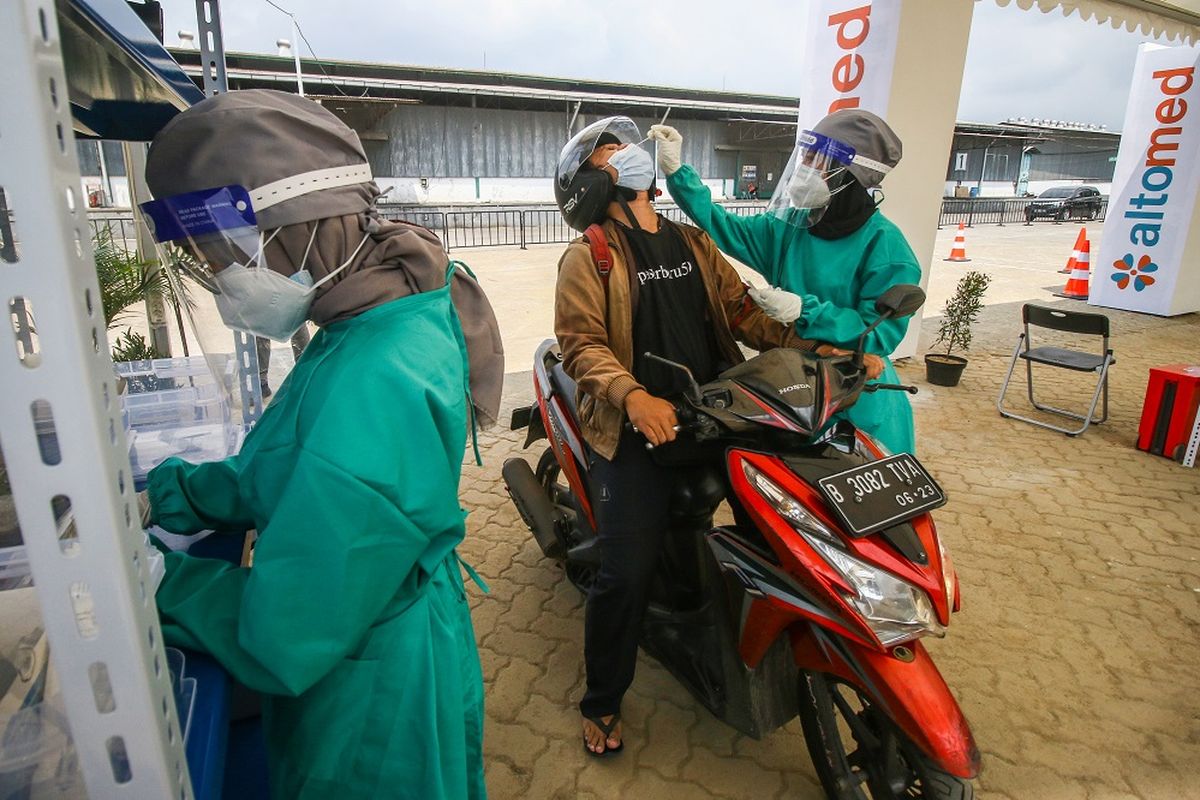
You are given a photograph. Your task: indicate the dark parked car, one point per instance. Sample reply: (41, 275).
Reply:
(1063, 202)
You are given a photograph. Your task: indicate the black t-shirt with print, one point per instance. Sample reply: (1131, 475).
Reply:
(672, 318)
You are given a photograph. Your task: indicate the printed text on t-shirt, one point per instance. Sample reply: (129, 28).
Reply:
(665, 273)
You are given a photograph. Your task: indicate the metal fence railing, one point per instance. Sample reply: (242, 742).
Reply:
(546, 226)
(522, 227)
(517, 227)
(484, 229)
(118, 223)
(1003, 211)
(434, 220)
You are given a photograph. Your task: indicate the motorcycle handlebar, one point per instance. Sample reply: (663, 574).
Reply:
(687, 422)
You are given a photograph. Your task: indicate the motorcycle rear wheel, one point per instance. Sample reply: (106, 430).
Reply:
(860, 754)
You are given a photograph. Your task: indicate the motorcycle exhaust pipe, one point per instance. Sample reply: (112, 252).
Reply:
(533, 505)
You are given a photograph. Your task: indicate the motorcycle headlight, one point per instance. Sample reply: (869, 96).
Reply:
(785, 505)
(896, 610)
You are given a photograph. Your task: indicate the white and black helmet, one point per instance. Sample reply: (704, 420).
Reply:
(581, 192)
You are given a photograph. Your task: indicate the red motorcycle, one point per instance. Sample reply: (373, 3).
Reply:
(815, 601)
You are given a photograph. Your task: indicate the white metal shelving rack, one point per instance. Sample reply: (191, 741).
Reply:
(98, 609)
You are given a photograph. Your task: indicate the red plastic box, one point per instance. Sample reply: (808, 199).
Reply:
(1169, 412)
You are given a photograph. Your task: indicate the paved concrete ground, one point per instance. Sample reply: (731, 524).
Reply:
(1075, 656)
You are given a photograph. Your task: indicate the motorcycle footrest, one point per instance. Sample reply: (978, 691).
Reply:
(520, 418)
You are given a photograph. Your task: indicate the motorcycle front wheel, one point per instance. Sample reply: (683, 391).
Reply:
(860, 754)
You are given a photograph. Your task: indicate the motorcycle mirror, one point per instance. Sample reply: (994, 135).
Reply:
(901, 300)
(693, 390)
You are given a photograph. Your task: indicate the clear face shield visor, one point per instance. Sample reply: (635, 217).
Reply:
(812, 176)
(576, 152)
(212, 237)
(198, 234)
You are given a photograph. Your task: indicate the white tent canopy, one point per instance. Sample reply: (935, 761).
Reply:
(1179, 20)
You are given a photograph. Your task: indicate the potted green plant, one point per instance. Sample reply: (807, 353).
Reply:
(125, 280)
(958, 315)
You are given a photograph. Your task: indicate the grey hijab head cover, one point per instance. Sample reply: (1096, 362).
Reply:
(254, 138)
(272, 143)
(869, 135)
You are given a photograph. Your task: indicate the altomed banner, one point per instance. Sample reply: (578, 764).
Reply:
(1141, 258)
(851, 46)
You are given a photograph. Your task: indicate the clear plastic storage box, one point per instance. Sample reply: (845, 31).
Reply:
(178, 407)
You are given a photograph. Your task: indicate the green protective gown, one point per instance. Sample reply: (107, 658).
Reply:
(353, 621)
(838, 279)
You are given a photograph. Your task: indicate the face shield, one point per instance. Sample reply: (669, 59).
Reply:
(214, 228)
(812, 176)
(581, 146)
(223, 251)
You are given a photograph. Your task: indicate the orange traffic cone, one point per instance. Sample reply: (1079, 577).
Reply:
(959, 251)
(1077, 283)
(1079, 240)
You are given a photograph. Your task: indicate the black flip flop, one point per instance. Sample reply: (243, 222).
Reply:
(606, 729)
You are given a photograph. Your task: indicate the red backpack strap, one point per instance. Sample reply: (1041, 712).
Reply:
(599, 244)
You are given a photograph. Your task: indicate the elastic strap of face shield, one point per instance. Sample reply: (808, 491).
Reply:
(870, 163)
(298, 185)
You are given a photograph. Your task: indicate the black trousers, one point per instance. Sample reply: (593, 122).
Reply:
(631, 498)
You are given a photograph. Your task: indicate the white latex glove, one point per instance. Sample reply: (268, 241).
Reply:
(779, 305)
(670, 147)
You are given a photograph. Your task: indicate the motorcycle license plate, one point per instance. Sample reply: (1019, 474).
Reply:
(874, 496)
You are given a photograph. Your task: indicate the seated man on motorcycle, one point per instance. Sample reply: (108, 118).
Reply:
(665, 289)
(822, 240)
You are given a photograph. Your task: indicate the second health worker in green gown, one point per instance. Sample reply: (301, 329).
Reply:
(824, 242)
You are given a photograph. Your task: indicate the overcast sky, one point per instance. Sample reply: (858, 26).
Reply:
(1020, 63)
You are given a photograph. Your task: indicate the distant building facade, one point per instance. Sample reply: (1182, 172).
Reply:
(1022, 157)
(443, 136)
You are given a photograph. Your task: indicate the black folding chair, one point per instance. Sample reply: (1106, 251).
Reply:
(1079, 322)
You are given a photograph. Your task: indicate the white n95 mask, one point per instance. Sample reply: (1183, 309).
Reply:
(807, 189)
(262, 302)
(634, 166)
(259, 301)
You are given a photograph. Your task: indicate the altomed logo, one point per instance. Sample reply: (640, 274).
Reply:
(1148, 208)
(1127, 272)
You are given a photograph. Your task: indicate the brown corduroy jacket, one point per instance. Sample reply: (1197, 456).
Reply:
(595, 332)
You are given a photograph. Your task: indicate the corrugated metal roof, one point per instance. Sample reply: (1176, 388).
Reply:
(386, 78)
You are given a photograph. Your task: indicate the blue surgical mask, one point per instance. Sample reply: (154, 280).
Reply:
(634, 166)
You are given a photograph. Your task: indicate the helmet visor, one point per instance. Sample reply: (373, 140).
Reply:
(804, 189)
(581, 146)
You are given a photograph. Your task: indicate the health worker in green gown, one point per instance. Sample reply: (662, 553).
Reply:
(824, 244)
(353, 620)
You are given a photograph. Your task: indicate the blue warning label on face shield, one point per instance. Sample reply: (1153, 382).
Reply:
(194, 214)
(831, 149)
